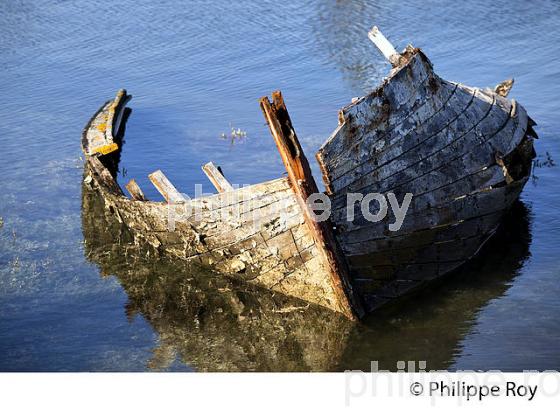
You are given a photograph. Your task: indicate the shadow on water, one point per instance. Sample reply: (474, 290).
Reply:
(212, 323)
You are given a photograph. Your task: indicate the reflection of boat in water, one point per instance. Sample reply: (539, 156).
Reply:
(463, 154)
(213, 323)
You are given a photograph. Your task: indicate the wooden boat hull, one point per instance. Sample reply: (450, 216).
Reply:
(463, 154)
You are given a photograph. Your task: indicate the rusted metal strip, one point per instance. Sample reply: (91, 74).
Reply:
(303, 184)
(217, 178)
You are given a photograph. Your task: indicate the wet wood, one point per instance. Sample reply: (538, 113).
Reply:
(166, 188)
(217, 178)
(304, 185)
(135, 191)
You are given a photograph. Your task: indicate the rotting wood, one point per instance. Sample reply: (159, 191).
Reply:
(135, 191)
(463, 152)
(217, 178)
(166, 188)
(302, 181)
(504, 87)
(247, 233)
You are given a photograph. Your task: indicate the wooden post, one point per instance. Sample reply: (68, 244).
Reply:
(135, 191)
(303, 184)
(217, 178)
(384, 46)
(166, 188)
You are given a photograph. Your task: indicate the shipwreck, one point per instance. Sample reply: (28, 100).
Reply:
(217, 323)
(464, 154)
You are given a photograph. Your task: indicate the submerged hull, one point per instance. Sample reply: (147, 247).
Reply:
(255, 233)
(463, 153)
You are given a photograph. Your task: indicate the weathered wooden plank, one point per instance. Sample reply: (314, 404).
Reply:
(135, 191)
(381, 110)
(116, 113)
(166, 188)
(458, 169)
(272, 275)
(246, 197)
(98, 138)
(453, 250)
(304, 185)
(522, 118)
(450, 142)
(366, 141)
(442, 127)
(463, 159)
(269, 223)
(384, 45)
(94, 134)
(217, 178)
(425, 237)
(253, 245)
(456, 210)
(218, 235)
(223, 228)
(250, 244)
(429, 125)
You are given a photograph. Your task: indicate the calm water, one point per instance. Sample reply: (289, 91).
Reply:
(196, 69)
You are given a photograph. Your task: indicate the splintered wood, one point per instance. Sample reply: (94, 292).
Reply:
(135, 191)
(304, 185)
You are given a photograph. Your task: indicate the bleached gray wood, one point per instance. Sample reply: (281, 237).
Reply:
(464, 159)
(469, 206)
(384, 45)
(397, 157)
(393, 101)
(166, 188)
(215, 176)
